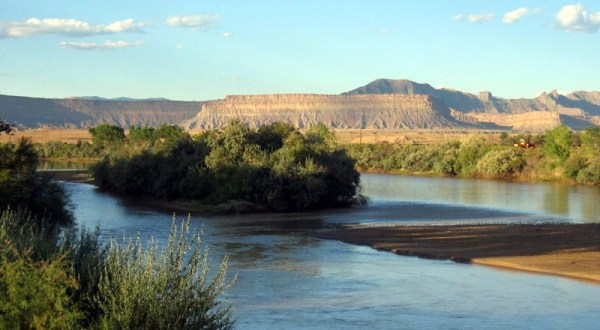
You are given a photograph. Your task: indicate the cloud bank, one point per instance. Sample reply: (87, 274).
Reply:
(200, 22)
(577, 19)
(65, 26)
(107, 45)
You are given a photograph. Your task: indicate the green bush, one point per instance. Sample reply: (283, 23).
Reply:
(502, 163)
(106, 133)
(590, 174)
(557, 143)
(148, 288)
(471, 150)
(36, 294)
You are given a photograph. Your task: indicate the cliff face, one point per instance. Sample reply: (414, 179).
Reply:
(336, 111)
(28, 112)
(577, 110)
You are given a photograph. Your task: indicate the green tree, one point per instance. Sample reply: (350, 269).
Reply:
(557, 143)
(21, 186)
(171, 133)
(271, 137)
(106, 133)
(142, 134)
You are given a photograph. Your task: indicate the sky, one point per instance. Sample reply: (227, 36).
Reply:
(207, 49)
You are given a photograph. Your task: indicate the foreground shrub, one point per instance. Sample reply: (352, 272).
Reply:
(36, 294)
(148, 288)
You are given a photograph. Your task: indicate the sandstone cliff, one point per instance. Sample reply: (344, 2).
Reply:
(336, 111)
(577, 110)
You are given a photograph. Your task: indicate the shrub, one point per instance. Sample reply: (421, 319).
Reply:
(106, 133)
(35, 294)
(557, 143)
(471, 150)
(501, 163)
(144, 288)
(590, 174)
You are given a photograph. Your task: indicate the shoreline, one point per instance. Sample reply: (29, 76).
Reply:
(566, 250)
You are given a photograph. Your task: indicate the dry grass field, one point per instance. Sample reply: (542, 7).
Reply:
(344, 136)
(423, 136)
(42, 135)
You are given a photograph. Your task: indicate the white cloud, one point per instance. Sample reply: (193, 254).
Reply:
(107, 45)
(65, 26)
(226, 34)
(479, 18)
(458, 18)
(179, 46)
(517, 14)
(576, 18)
(200, 22)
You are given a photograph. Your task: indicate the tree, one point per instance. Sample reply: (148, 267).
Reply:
(6, 127)
(145, 134)
(22, 186)
(270, 137)
(557, 143)
(106, 133)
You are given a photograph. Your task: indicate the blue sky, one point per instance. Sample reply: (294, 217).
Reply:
(200, 50)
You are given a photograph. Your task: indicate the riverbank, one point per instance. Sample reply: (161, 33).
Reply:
(568, 250)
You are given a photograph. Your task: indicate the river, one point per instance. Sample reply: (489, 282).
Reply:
(289, 280)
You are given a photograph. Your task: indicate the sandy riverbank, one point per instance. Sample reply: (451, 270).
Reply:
(570, 250)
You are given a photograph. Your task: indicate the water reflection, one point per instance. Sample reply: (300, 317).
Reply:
(576, 203)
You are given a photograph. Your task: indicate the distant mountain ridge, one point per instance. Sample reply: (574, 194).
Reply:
(28, 112)
(381, 104)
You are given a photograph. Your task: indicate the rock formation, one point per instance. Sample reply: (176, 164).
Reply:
(337, 111)
(383, 103)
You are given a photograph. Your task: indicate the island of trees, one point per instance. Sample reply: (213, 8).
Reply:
(274, 168)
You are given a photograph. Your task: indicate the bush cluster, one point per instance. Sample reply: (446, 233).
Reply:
(560, 154)
(275, 166)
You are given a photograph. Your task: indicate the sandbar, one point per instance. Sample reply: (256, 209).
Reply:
(561, 249)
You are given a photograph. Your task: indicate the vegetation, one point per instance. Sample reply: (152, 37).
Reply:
(21, 186)
(149, 288)
(275, 167)
(106, 133)
(562, 155)
(55, 277)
